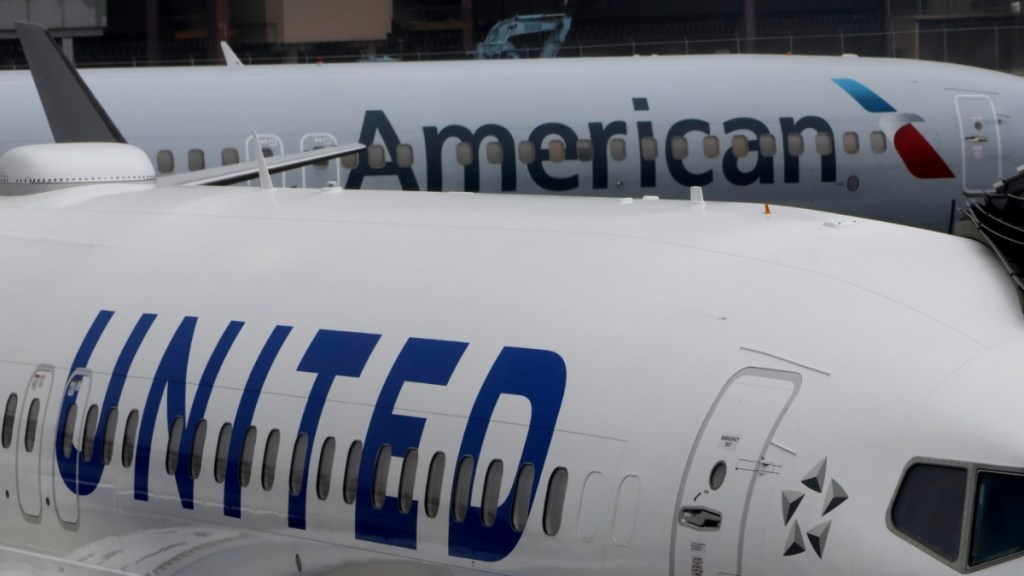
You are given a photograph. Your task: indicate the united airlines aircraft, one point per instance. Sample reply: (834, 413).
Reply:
(894, 139)
(269, 380)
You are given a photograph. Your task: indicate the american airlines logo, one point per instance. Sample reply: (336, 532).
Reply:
(920, 157)
(331, 357)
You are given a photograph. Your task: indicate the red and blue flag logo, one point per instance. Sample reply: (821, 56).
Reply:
(920, 157)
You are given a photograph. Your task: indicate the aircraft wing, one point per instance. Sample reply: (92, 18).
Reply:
(235, 173)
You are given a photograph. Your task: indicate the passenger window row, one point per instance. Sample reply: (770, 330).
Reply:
(678, 147)
(522, 491)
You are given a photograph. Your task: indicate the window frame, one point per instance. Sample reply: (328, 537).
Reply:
(960, 564)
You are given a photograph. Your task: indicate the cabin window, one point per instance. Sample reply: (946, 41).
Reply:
(851, 143)
(766, 145)
(711, 147)
(795, 144)
(492, 487)
(350, 161)
(556, 151)
(70, 419)
(109, 431)
(585, 150)
(998, 517)
(295, 479)
(464, 153)
(323, 477)
(649, 148)
(355, 454)
(625, 510)
(92, 417)
(878, 143)
(740, 146)
(929, 507)
(823, 143)
(270, 459)
(196, 160)
(220, 463)
(407, 480)
(131, 430)
(375, 156)
(679, 147)
(229, 156)
(403, 155)
(245, 464)
(174, 443)
(527, 152)
(460, 492)
(165, 161)
(198, 447)
(521, 497)
(617, 149)
(435, 478)
(495, 152)
(555, 501)
(9, 413)
(380, 476)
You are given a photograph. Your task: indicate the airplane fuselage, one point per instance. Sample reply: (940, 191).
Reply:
(892, 139)
(374, 382)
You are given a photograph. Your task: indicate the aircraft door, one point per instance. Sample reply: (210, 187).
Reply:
(980, 139)
(70, 425)
(272, 146)
(724, 464)
(319, 174)
(29, 441)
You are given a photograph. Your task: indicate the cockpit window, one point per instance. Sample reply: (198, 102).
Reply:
(929, 507)
(998, 517)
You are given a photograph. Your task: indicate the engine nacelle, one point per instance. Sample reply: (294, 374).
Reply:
(42, 167)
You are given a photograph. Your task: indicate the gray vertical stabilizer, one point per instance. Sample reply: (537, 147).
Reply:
(71, 109)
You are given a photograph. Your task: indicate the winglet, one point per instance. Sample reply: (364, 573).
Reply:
(71, 109)
(265, 182)
(230, 58)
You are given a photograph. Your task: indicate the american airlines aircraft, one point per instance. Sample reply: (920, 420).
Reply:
(893, 139)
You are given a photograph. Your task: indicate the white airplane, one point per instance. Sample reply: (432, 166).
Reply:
(893, 139)
(201, 380)
(279, 381)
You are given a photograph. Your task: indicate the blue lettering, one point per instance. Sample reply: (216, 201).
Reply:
(764, 170)
(539, 376)
(330, 355)
(434, 143)
(376, 122)
(171, 376)
(792, 162)
(243, 418)
(422, 361)
(537, 171)
(68, 466)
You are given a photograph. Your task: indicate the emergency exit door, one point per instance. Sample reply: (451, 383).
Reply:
(980, 141)
(29, 441)
(724, 464)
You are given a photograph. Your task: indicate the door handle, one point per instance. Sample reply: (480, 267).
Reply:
(976, 139)
(700, 518)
